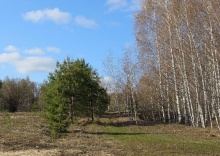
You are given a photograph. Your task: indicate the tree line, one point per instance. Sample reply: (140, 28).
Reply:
(174, 74)
(18, 94)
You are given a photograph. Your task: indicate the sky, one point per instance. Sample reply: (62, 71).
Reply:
(35, 34)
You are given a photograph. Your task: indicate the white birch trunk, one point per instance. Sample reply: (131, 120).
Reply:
(173, 63)
(160, 75)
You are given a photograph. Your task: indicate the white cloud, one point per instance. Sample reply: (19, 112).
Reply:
(10, 48)
(34, 16)
(54, 15)
(107, 82)
(27, 65)
(9, 57)
(53, 49)
(116, 4)
(35, 64)
(124, 5)
(87, 23)
(35, 51)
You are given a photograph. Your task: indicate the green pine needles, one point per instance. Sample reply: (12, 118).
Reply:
(55, 109)
(73, 89)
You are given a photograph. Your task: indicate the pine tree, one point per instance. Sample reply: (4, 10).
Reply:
(72, 89)
(55, 110)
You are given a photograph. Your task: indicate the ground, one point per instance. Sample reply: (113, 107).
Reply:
(26, 134)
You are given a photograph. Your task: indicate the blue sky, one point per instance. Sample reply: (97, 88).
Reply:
(34, 34)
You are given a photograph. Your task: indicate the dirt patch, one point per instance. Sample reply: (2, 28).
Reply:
(32, 152)
(53, 152)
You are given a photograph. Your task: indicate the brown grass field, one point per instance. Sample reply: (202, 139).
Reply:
(25, 134)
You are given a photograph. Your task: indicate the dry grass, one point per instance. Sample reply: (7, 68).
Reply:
(24, 134)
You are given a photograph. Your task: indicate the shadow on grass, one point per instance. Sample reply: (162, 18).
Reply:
(119, 124)
(112, 133)
(106, 133)
(114, 115)
(122, 123)
(126, 123)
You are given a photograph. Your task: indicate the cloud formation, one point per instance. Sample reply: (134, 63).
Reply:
(35, 51)
(59, 17)
(53, 49)
(10, 48)
(85, 22)
(11, 57)
(116, 4)
(125, 5)
(54, 15)
(27, 65)
(35, 64)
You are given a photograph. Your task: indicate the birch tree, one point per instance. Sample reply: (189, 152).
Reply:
(180, 36)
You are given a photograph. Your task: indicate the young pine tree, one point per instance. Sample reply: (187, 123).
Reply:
(55, 109)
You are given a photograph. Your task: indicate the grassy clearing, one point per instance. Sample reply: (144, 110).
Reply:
(162, 139)
(25, 134)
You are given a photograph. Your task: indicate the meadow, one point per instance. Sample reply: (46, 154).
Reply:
(26, 134)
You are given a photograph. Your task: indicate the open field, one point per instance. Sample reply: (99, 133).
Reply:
(25, 134)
